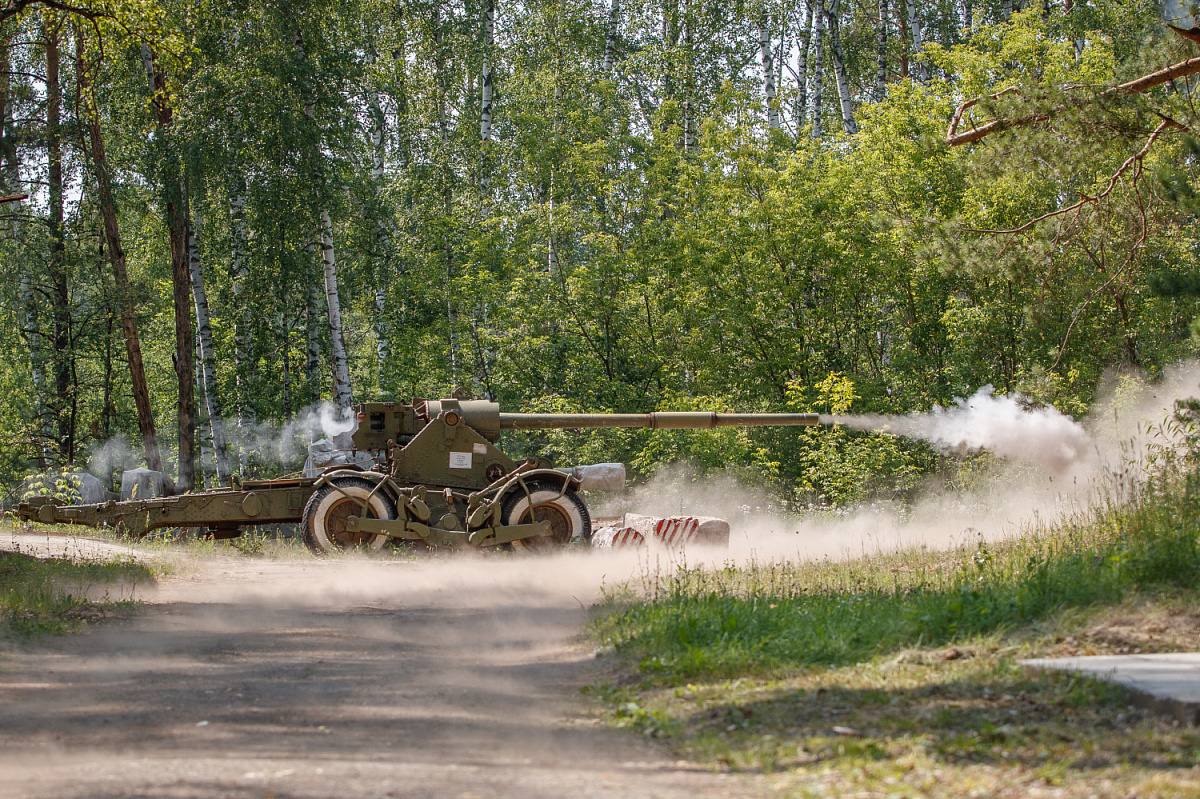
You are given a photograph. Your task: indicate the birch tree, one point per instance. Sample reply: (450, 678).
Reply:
(239, 253)
(841, 79)
(610, 40)
(487, 74)
(818, 75)
(208, 356)
(916, 36)
(805, 42)
(768, 68)
(342, 396)
(881, 52)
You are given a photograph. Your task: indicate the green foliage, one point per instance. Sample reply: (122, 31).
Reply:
(628, 240)
(63, 486)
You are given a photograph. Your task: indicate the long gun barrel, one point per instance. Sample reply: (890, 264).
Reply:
(656, 421)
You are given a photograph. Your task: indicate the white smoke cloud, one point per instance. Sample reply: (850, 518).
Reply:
(1005, 426)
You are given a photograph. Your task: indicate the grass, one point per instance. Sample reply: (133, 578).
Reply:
(55, 595)
(897, 675)
(767, 617)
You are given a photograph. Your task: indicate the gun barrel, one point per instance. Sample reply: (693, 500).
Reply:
(695, 420)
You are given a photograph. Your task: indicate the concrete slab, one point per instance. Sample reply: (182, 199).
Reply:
(1168, 682)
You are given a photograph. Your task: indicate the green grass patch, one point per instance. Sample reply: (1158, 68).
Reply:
(700, 623)
(54, 595)
(898, 674)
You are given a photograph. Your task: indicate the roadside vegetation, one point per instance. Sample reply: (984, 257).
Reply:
(899, 673)
(56, 595)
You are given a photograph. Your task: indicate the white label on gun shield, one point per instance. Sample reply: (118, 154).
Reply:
(460, 460)
(479, 449)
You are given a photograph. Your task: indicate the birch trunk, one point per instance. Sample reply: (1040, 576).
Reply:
(818, 67)
(383, 240)
(342, 395)
(839, 67)
(116, 254)
(239, 246)
(208, 356)
(689, 87)
(768, 68)
(881, 52)
(610, 41)
(447, 176)
(489, 36)
(65, 401)
(802, 68)
(917, 40)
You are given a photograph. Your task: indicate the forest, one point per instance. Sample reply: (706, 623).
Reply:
(221, 213)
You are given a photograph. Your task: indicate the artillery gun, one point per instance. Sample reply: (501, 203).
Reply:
(427, 472)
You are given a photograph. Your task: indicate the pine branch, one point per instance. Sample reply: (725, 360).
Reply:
(1136, 86)
(1136, 158)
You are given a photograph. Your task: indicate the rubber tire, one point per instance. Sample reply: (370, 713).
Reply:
(565, 509)
(328, 505)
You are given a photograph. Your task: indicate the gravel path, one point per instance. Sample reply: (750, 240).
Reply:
(245, 677)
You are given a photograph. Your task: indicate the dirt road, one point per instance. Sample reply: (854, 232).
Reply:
(297, 677)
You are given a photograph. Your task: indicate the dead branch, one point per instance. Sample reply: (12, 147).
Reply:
(12, 198)
(1136, 86)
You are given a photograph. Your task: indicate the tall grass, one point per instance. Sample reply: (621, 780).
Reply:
(50, 595)
(768, 617)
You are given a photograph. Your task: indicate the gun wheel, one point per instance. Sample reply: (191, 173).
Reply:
(324, 521)
(568, 516)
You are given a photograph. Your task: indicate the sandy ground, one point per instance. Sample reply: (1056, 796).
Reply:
(299, 677)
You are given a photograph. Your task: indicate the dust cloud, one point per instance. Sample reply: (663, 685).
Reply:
(1049, 465)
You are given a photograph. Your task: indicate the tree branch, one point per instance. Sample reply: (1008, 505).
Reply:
(1136, 158)
(1136, 86)
(17, 7)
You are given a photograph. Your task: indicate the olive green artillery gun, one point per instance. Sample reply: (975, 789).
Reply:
(427, 472)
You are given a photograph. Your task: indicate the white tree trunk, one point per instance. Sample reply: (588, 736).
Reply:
(818, 67)
(881, 52)
(610, 42)
(802, 68)
(208, 357)
(383, 241)
(768, 68)
(489, 41)
(917, 40)
(238, 264)
(689, 83)
(839, 67)
(342, 396)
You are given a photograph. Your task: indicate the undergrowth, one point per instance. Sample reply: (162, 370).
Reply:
(771, 617)
(53, 595)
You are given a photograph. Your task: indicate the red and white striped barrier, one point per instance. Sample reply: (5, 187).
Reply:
(673, 532)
